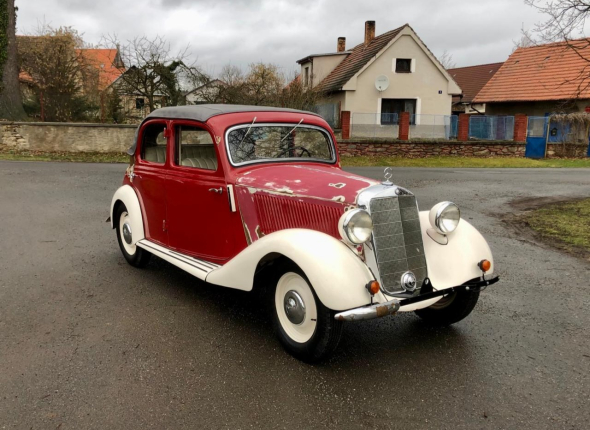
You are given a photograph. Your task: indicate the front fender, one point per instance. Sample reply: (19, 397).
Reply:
(126, 195)
(455, 263)
(337, 275)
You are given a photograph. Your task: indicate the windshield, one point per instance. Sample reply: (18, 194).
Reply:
(270, 142)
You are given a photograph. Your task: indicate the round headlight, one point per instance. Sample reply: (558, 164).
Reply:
(356, 226)
(445, 217)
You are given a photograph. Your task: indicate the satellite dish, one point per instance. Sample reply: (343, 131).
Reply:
(382, 83)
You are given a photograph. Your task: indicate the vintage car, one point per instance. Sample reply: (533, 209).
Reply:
(254, 197)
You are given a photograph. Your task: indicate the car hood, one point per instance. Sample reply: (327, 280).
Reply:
(317, 181)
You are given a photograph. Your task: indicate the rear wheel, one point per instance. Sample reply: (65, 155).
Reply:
(134, 255)
(450, 309)
(305, 327)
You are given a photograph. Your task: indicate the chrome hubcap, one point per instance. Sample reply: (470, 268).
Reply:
(127, 233)
(409, 281)
(294, 307)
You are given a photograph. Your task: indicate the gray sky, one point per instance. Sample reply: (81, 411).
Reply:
(279, 31)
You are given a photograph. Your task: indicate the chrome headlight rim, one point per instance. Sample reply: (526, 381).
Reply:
(346, 230)
(438, 225)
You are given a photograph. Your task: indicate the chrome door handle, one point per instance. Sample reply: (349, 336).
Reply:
(215, 190)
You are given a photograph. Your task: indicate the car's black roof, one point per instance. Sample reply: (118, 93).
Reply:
(204, 112)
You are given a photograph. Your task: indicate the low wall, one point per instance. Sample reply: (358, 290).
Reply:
(418, 149)
(65, 137)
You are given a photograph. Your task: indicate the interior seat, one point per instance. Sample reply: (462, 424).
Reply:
(156, 154)
(200, 156)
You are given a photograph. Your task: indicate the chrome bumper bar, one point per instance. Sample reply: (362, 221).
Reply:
(389, 308)
(369, 312)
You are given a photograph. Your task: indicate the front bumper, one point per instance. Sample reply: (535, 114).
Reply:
(391, 307)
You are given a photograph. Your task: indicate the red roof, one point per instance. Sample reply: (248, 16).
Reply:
(25, 77)
(472, 79)
(557, 71)
(106, 61)
(357, 58)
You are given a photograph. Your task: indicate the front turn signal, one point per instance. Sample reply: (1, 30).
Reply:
(373, 287)
(484, 265)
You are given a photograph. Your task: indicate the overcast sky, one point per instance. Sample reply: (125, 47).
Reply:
(281, 32)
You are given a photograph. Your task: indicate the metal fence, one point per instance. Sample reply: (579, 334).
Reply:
(434, 126)
(491, 127)
(384, 125)
(330, 112)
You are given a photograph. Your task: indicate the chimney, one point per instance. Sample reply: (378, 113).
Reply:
(341, 44)
(369, 31)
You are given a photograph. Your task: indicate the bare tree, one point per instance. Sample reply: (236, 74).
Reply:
(566, 19)
(154, 72)
(446, 59)
(11, 106)
(526, 40)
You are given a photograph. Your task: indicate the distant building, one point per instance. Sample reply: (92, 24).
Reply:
(471, 80)
(541, 80)
(417, 82)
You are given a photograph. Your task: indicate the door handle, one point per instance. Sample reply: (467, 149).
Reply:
(215, 190)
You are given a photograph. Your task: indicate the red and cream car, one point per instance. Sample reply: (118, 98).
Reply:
(253, 197)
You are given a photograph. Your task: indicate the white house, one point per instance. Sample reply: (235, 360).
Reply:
(382, 77)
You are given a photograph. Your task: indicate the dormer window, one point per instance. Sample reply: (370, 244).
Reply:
(403, 65)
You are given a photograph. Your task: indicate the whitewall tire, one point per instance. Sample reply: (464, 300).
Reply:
(134, 255)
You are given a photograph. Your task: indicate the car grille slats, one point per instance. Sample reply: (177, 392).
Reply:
(397, 239)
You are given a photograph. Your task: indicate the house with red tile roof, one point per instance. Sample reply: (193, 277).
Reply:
(541, 80)
(385, 74)
(471, 80)
(107, 62)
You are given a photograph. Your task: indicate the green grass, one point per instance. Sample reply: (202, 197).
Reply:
(80, 157)
(455, 162)
(567, 223)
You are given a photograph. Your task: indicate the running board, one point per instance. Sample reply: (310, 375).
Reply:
(194, 266)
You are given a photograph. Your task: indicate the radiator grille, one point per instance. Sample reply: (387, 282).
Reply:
(278, 213)
(398, 240)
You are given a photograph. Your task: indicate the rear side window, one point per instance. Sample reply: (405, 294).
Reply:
(194, 148)
(153, 146)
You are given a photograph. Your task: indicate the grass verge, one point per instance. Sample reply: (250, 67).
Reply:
(81, 157)
(455, 162)
(565, 224)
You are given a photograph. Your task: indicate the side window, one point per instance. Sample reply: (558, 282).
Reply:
(195, 148)
(153, 145)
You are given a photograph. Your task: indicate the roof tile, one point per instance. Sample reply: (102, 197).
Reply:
(472, 79)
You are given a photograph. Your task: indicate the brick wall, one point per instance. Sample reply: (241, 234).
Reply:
(64, 137)
(429, 149)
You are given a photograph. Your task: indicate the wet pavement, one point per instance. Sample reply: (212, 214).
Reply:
(87, 341)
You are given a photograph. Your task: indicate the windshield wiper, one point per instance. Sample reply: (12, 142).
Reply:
(248, 131)
(288, 134)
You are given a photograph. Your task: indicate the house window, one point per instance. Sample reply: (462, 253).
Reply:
(139, 103)
(306, 76)
(391, 108)
(403, 65)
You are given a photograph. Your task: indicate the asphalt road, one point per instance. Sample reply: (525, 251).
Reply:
(87, 341)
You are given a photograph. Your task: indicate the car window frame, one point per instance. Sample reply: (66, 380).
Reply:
(332, 161)
(176, 167)
(139, 151)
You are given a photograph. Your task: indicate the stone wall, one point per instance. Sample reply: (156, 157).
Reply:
(431, 148)
(64, 137)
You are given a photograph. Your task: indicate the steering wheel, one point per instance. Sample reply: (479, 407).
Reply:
(302, 150)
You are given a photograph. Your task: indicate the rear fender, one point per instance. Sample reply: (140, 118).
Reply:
(126, 195)
(336, 273)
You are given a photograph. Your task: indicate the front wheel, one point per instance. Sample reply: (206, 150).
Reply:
(305, 327)
(450, 309)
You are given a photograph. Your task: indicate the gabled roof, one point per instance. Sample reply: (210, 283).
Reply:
(107, 62)
(473, 78)
(357, 58)
(557, 71)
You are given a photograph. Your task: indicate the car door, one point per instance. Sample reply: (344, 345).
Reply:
(149, 178)
(197, 200)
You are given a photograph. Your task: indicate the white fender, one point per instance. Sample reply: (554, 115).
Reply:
(126, 194)
(455, 263)
(337, 275)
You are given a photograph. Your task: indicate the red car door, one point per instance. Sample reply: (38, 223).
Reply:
(149, 178)
(197, 196)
